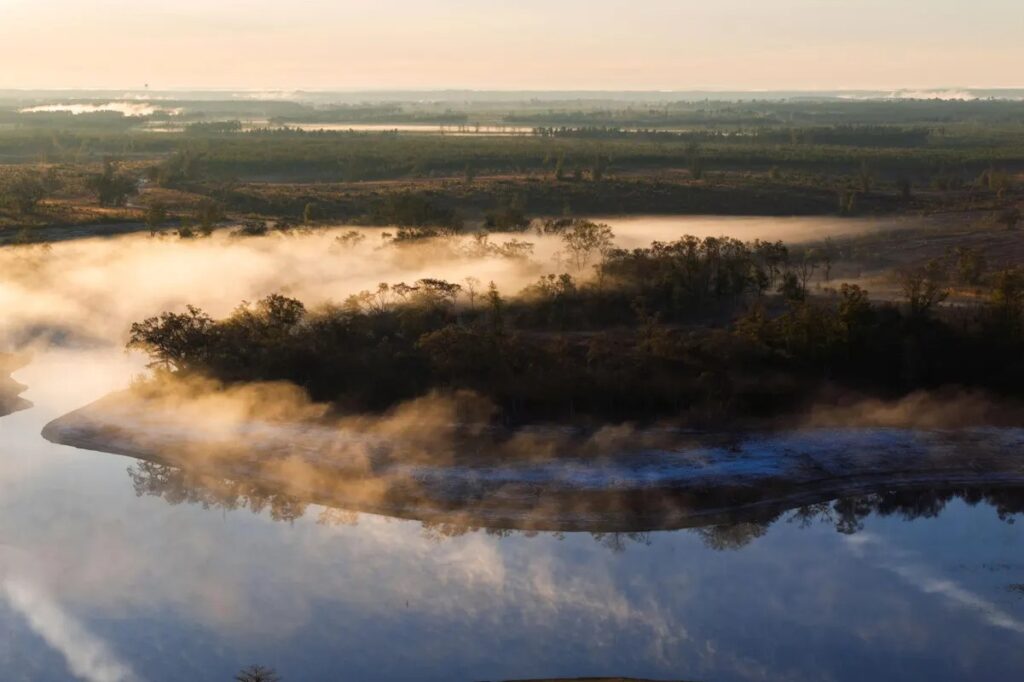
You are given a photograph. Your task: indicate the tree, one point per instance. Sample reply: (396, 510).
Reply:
(23, 190)
(924, 287)
(257, 673)
(280, 312)
(185, 230)
(584, 240)
(970, 265)
(496, 310)
(855, 311)
(181, 167)
(437, 292)
(507, 218)
(772, 257)
(731, 536)
(807, 266)
(471, 288)
(350, 239)
(173, 339)
(829, 253)
(112, 188)
(208, 215)
(791, 288)
(155, 216)
(381, 300)
(1006, 308)
(309, 214)
(252, 228)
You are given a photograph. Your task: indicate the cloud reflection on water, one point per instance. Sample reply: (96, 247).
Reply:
(88, 657)
(919, 575)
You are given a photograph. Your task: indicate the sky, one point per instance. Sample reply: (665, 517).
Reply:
(512, 44)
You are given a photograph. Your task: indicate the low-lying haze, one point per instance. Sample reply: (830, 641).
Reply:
(604, 44)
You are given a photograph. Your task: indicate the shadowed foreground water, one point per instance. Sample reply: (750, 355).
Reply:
(107, 579)
(108, 575)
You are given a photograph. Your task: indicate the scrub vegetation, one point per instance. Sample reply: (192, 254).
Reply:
(699, 329)
(560, 158)
(707, 330)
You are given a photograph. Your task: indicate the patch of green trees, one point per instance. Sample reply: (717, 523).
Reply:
(701, 328)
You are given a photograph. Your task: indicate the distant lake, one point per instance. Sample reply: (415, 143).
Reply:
(416, 128)
(451, 129)
(639, 230)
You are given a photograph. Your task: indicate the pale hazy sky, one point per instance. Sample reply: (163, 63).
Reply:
(505, 44)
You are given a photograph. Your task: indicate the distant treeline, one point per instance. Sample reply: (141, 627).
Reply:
(452, 205)
(351, 156)
(660, 118)
(792, 112)
(395, 113)
(844, 135)
(58, 145)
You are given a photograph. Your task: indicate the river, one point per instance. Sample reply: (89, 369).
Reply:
(112, 571)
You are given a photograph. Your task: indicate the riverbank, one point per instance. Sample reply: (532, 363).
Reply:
(612, 480)
(10, 390)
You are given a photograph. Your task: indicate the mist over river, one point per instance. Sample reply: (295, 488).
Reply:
(115, 569)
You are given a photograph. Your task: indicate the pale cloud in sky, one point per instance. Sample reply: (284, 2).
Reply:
(592, 44)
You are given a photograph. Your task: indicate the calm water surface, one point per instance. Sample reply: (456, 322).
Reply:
(102, 584)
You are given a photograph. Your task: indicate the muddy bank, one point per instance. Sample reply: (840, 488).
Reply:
(11, 390)
(544, 479)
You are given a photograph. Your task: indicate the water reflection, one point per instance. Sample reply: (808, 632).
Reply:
(846, 515)
(173, 591)
(87, 656)
(177, 486)
(186, 592)
(749, 599)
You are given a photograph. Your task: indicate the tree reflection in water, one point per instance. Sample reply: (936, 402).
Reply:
(257, 673)
(178, 485)
(732, 535)
(846, 515)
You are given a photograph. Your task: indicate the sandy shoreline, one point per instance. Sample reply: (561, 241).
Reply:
(700, 481)
(11, 390)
